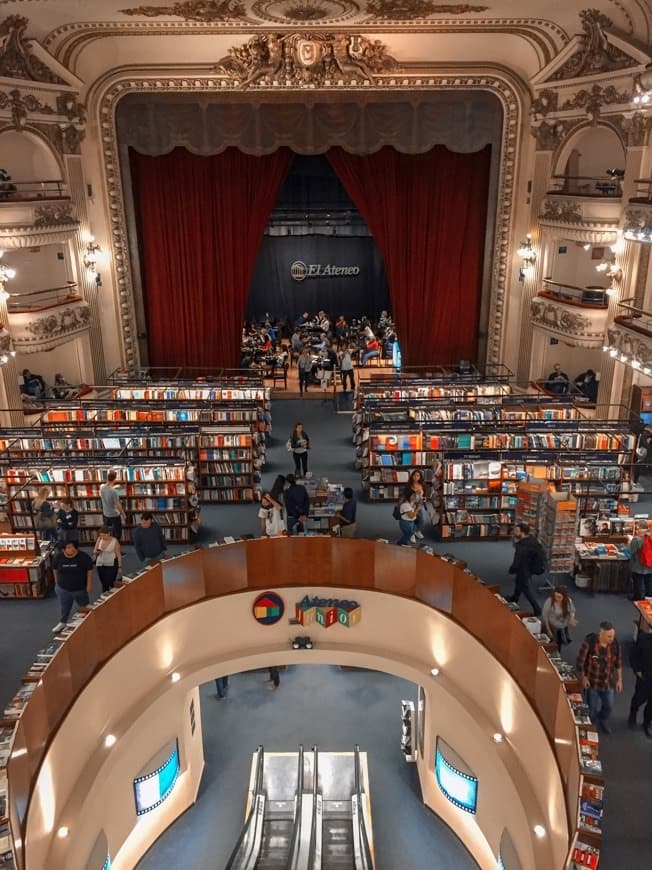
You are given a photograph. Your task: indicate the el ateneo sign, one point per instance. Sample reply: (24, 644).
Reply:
(299, 270)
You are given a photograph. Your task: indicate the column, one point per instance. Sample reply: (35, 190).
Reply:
(11, 401)
(86, 282)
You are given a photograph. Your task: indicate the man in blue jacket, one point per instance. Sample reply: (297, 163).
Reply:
(297, 504)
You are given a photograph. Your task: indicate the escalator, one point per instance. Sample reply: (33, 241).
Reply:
(306, 812)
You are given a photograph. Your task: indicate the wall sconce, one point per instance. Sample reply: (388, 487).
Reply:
(6, 274)
(90, 259)
(527, 253)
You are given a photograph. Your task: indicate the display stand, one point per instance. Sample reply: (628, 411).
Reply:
(557, 534)
(25, 568)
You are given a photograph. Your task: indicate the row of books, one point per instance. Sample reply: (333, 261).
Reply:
(479, 502)
(92, 472)
(476, 530)
(223, 453)
(11, 543)
(212, 394)
(241, 439)
(479, 486)
(492, 415)
(392, 442)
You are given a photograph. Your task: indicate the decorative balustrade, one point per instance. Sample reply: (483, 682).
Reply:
(582, 297)
(41, 327)
(578, 326)
(586, 185)
(27, 191)
(39, 300)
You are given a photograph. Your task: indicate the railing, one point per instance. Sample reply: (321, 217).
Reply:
(202, 575)
(25, 191)
(586, 185)
(643, 190)
(634, 318)
(586, 297)
(176, 376)
(293, 857)
(246, 850)
(38, 300)
(364, 860)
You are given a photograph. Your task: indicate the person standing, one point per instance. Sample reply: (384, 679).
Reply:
(108, 558)
(67, 522)
(641, 573)
(73, 578)
(526, 552)
(557, 615)
(148, 540)
(600, 664)
(112, 511)
(417, 484)
(346, 516)
(641, 462)
(304, 366)
(299, 444)
(407, 515)
(346, 367)
(640, 658)
(272, 523)
(274, 680)
(297, 504)
(45, 521)
(222, 687)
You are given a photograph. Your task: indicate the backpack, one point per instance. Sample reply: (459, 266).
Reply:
(645, 553)
(396, 513)
(537, 559)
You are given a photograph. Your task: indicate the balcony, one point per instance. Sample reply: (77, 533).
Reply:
(629, 338)
(586, 185)
(580, 297)
(574, 323)
(45, 319)
(584, 209)
(35, 213)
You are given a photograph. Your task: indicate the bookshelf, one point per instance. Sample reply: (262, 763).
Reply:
(160, 487)
(226, 465)
(25, 569)
(531, 496)
(558, 531)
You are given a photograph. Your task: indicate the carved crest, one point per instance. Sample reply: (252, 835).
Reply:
(596, 53)
(306, 59)
(207, 11)
(407, 10)
(17, 60)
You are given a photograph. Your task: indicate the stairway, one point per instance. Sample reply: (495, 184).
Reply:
(337, 836)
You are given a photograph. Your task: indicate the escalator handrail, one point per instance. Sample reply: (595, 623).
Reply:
(367, 862)
(236, 859)
(315, 790)
(296, 832)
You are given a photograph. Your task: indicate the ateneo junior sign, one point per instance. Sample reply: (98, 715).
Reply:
(327, 612)
(299, 270)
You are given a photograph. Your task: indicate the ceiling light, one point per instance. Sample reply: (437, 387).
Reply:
(110, 740)
(63, 832)
(497, 737)
(539, 831)
(434, 672)
(587, 246)
(175, 677)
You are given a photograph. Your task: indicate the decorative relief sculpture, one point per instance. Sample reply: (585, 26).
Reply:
(629, 344)
(596, 53)
(21, 105)
(561, 211)
(306, 59)
(207, 11)
(304, 11)
(17, 60)
(549, 136)
(594, 99)
(556, 317)
(545, 102)
(54, 215)
(60, 323)
(633, 130)
(407, 10)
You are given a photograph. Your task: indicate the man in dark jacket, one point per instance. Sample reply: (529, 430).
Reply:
(640, 659)
(148, 539)
(526, 548)
(297, 504)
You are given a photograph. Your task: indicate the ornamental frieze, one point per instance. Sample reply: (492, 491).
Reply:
(628, 342)
(17, 59)
(632, 129)
(22, 105)
(545, 102)
(592, 101)
(306, 60)
(561, 211)
(60, 214)
(408, 10)
(575, 328)
(549, 136)
(38, 331)
(596, 54)
(206, 11)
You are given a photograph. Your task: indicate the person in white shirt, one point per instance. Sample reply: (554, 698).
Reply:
(272, 523)
(346, 367)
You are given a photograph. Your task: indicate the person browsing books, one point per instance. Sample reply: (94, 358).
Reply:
(45, 521)
(557, 615)
(67, 521)
(272, 523)
(148, 540)
(297, 504)
(108, 558)
(73, 578)
(112, 511)
(407, 514)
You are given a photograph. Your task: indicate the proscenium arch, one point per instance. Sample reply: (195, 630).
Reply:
(200, 624)
(106, 93)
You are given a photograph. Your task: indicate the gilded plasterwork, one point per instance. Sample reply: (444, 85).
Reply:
(408, 10)
(596, 53)
(208, 11)
(305, 11)
(305, 59)
(17, 60)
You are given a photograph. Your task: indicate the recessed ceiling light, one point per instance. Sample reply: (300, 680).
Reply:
(539, 831)
(434, 672)
(498, 737)
(63, 832)
(110, 740)
(175, 677)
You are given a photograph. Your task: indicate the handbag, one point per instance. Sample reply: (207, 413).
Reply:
(396, 513)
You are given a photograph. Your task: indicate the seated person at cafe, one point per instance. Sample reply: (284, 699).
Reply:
(557, 381)
(372, 349)
(61, 389)
(588, 385)
(302, 319)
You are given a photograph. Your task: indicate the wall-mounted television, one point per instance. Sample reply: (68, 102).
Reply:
(458, 785)
(151, 789)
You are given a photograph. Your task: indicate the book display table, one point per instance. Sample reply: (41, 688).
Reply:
(25, 568)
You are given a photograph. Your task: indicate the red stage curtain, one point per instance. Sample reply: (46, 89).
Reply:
(428, 215)
(201, 221)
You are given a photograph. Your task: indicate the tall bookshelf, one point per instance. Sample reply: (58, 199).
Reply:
(159, 487)
(226, 465)
(558, 532)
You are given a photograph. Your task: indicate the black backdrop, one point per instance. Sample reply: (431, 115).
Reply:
(274, 291)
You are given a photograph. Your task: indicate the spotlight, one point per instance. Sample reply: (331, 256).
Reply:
(497, 737)
(63, 832)
(110, 740)
(175, 677)
(434, 672)
(302, 642)
(539, 831)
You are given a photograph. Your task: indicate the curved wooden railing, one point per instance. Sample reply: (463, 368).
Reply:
(249, 565)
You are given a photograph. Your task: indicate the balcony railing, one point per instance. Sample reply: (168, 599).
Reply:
(27, 191)
(634, 318)
(586, 185)
(38, 300)
(583, 297)
(643, 192)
